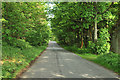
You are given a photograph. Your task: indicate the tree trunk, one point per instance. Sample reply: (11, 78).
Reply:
(81, 40)
(85, 40)
(90, 34)
(78, 37)
(95, 29)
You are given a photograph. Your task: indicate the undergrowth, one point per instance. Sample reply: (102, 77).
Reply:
(110, 61)
(15, 58)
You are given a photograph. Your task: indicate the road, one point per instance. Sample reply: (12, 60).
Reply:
(56, 62)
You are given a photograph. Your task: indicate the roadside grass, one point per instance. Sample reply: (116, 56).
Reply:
(89, 56)
(109, 61)
(14, 59)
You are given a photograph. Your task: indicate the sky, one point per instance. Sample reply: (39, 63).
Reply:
(51, 7)
(50, 15)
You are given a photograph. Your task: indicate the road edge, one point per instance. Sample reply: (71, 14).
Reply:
(28, 66)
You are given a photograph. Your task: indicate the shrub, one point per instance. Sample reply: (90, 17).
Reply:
(38, 38)
(9, 52)
(83, 51)
(21, 43)
(14, 59)
(76, 49)
(91, 47)
(103, 46)
(109, 60)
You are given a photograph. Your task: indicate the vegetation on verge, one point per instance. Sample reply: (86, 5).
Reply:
(14, 59)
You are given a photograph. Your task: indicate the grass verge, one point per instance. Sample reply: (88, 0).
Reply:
(15, 59)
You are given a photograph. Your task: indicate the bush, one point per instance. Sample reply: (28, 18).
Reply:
(109, 60)
(38, 38)
(9, 52)
(91, 47)
(103, 46)
(21, 43)
(14, 59)
(76, 49)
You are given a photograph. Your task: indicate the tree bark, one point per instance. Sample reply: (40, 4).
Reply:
(81, 40)
(78, 37)
(90, 34)
(86, 40)
(95, 29)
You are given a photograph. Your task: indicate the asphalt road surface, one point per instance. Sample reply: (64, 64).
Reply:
(57, 62)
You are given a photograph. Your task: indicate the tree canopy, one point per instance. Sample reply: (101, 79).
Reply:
(81, 22)
(25, 20)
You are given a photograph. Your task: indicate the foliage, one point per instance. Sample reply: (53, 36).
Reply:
(76, 49)
(91, 47)
(24, 28)
(71, 48)
(103, 46)
(24, 20)
(110, 60)
(39, 37)
(25, 35)
(14, 59)
(74, 22)
(21, 43)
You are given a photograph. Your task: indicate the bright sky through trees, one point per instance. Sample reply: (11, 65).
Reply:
(49, 15)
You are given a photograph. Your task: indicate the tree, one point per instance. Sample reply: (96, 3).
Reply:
(80, 22)
(25, 20)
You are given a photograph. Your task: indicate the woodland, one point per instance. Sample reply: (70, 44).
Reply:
(85, 28)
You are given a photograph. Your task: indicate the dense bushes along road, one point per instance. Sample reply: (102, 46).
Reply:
(25, 35)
